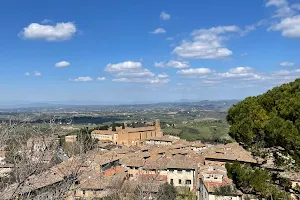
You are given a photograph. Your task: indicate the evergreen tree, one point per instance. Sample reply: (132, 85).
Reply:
(272, 119)
(113, 127)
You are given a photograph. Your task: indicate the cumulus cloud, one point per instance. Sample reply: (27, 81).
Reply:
(138, 73)
(289, 27)
(83, 79)
(127, 65)
(164, 16)
(46, 21)
(141, 80)
(37, 73)
(27, 74)
(282, 8)
(194, 71)
(159, 64)
(59, 32)
(173, 63)
(276, 3)
(158, 31)
(247, 73)
(240, 70)
(62, 64)
(163, 75)
(206, 43)
(287, 64)
(132, 72)
(101, 78)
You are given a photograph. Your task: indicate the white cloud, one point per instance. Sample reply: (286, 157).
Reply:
(195, 71)
(159, 64)
(124, 66)
(240, 70)
(173, 63)
(283, 8)
(169, 38)
(287, 64)
(206, 44)
(277, 3)
(37, 73)
(247, 73)
(46, 21)
(62, 64)
(164, 16)
(289, 27)
(177, 64)
(83, 79)
(244, 54)
(27, 74)
(59, 32)
(163, 75)
(141, 80)
(157, 81)
(101, 78)
(158, 31)
(138, 73)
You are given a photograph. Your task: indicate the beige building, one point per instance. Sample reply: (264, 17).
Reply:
(129, 136)
(138, 136)
(161, 141)
(71, 138)
(104, 135)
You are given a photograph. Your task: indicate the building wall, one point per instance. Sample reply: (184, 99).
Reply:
(176, 175)
(71, 138)
(136, 138)
(203, 194)
(171, 174)
(101, 137)
(156, 142)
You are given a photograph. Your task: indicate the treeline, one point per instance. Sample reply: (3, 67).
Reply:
(271, 119)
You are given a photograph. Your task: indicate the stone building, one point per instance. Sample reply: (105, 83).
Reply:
(137, 136)
(129, 136)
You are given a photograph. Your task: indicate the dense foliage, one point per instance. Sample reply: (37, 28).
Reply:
(166, 192)
(256, 181)
(272, 119)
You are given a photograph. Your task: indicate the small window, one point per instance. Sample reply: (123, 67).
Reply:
(188, 182)
(172, 182)
(179, 181)
(188, 171)
(83, 192)
(171, 171)
(179, 171)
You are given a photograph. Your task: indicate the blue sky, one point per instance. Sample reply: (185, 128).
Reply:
(136, 51)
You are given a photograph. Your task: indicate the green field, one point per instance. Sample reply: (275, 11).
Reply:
(204, 131)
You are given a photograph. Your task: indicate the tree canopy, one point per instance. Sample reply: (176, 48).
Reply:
(257, 181)
(272, 118)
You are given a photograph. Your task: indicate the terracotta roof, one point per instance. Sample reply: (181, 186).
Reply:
(164, 138)
(231, 152)
(139, 129)
(104, 132)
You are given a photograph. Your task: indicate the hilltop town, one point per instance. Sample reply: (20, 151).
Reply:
(128, 163)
